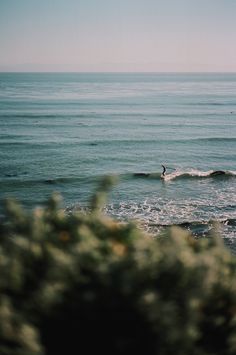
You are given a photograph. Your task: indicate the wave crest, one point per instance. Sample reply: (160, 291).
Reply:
(192, 174)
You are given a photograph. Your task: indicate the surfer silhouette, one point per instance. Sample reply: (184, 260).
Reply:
(164, 171)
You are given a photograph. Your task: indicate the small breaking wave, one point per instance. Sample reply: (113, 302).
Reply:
(192, 174)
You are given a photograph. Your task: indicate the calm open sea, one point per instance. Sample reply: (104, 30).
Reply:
(62, 132)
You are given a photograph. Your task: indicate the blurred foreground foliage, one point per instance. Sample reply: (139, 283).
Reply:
(85, 284)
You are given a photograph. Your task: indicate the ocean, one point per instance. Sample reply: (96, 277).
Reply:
(64, 131)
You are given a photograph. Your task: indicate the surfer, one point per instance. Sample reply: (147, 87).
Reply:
(163, 172)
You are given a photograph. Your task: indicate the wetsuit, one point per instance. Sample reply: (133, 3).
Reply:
(164, 170)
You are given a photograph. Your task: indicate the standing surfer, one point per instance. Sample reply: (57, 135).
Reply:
(163, 172)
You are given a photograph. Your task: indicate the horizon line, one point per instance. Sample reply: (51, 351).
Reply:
(113, 72)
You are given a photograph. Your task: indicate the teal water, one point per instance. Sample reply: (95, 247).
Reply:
(63, 132)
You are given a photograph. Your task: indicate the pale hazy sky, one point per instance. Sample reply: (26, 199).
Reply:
(118, 35)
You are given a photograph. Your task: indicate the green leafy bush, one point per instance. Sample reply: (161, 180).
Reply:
(85, 284)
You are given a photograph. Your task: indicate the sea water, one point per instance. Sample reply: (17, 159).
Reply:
(64, 131)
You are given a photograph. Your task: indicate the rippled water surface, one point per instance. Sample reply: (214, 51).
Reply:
(63, 132)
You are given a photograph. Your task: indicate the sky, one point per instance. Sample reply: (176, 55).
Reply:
(118, 35)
